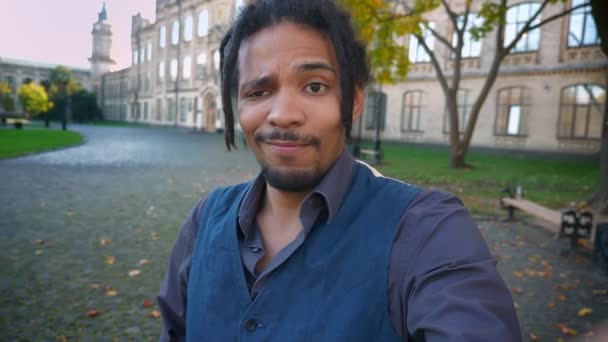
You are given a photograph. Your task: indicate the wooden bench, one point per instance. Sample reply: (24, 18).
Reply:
(553, 217)
(370, 155)
(18, 123)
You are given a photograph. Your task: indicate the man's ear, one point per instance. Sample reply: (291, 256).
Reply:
(358, 103)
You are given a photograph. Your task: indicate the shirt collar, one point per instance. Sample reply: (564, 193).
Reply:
(332, 189)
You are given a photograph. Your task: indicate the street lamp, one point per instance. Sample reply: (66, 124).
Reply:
(377, 144)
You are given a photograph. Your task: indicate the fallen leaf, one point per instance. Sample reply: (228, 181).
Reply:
(92, 313)
(111, 293)
(154, 314)
(154, 236)
(38, 242)
(518, 274)
(143, 262)
(104, 242)
(62, 338)
(148, 303)
(562, 298)
(94, 286)
(534, 337)
(38, 252)
(110, 260)
(134, 273)
(551, 305)
(584, 312)
(518, 290)
(565, 329)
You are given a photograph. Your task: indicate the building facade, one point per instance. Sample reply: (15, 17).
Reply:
(548, 94)
(16, 72)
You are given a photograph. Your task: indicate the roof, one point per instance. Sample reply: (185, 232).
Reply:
(21, 62)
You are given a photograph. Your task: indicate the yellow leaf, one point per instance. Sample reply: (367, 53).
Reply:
(518, 274)
(111, 293)
(584, 312)
(143, 262)
(154, 314)
(134, 273)
(104, 242)
(110, 260)
(94, 286)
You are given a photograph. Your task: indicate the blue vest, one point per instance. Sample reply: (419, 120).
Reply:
(332, 288)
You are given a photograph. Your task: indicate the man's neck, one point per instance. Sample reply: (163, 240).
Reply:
(283, 205)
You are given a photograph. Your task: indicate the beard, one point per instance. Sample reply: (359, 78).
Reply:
(286, 178)
(293, 180)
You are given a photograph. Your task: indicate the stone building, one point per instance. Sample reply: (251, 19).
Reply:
(547, 96)
(16, 72)
(174, 76)
(100, 60)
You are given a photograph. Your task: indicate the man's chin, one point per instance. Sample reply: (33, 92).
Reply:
(292, 180)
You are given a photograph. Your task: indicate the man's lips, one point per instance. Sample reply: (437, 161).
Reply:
(286, 146)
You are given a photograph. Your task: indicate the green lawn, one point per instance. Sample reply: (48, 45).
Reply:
(552, 183)
(15, 142)
(117, 123)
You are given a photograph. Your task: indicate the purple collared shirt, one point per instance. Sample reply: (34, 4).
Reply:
(442, 281)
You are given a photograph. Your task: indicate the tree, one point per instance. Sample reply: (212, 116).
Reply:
(599, 11)
(377, 18)
(7, 102)
(84, 106)
(33, 98)
(62, 86)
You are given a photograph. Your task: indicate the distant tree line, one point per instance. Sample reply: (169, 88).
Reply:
(60, 98)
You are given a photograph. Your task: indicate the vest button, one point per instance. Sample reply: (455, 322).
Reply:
(251, 325)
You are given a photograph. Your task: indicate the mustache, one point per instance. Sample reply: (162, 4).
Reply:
(286, 136)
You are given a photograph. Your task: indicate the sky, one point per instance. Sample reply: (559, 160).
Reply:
(59, 31)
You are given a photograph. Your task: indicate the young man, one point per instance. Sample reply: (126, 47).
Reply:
(319, 247)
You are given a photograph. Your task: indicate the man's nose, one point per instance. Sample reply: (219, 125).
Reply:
(286, 110)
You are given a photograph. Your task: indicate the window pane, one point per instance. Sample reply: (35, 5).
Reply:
(582, 94)
(509, 33)
(203, 23)
(515, 98)
(568, 96)
(533, 40)
(413, 48)
(161, 70)
(216, 59)
(501, 120)
(503, 97)
(149, 54)
(575, 35)
(580, 121)
(188, 28)
(187, 67)
(175, 33)
(590, 37)
(565, 122)
(163, 37)
(201, 59)
(595, 122)
(173, 69)
(514, 117)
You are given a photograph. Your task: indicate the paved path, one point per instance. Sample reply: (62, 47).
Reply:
(74, 223)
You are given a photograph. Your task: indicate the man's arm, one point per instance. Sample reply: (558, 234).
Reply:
(173, 292)
(450, 289)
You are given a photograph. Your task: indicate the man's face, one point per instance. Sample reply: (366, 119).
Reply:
(289, 104)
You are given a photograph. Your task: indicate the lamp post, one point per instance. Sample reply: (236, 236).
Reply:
(377, 144)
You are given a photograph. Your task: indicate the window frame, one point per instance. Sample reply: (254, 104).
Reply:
(586, 13)
(572, 134)
(522, 116)
(517, 24)
(371, 125)
(464, 115)
(415, 107)
(475, 18)
(205, 32)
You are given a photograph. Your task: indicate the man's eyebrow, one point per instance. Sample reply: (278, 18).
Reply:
(262, 81)
(316, 66)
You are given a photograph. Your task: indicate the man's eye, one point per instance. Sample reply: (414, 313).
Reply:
(315, 87)
(258, 93)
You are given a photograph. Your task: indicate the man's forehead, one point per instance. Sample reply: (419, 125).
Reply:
(297, 46)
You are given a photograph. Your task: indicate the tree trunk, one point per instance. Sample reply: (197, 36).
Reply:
(457, 157)
(47, 119)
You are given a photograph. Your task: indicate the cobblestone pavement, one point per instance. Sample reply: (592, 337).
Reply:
(76, 223)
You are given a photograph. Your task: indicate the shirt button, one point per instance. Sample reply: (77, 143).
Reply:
(251, 325)
(255, 249)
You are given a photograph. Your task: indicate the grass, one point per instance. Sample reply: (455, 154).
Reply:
(552, 183)
(14, 143)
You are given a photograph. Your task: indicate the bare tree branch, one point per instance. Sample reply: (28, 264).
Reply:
(525, 29)
(440, 75)
(453, 16)
(556, 16)
(440, 38)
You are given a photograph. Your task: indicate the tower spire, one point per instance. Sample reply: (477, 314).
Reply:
(103, 15)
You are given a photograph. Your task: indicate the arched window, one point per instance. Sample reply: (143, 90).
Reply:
(416, 52)
(201, 59)
(582, 30)
(173, 70)
(203, 23)
(188, 28)
(511, 111)
(581, 111)
(175, 33)
(149, 52)
(162, 37)
(463, 106)
(517, 17)
(375, 105)
(187, 67)
(161, 70)
(216, 59)
(410, 112)
(470, 47)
